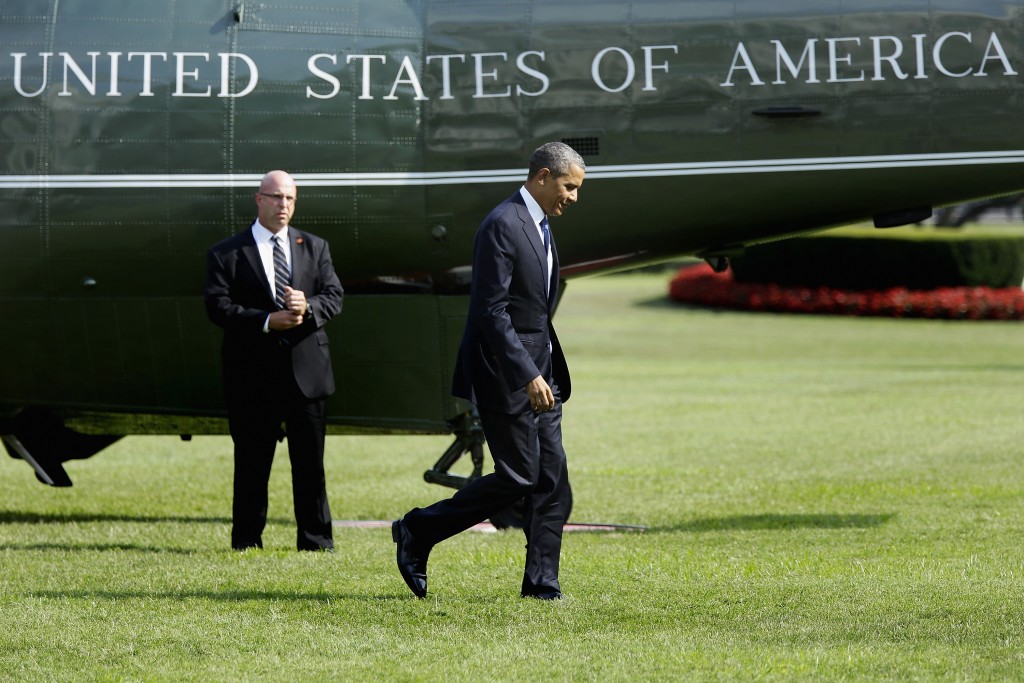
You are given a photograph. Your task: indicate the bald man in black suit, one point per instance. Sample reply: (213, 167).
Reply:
(272, 289)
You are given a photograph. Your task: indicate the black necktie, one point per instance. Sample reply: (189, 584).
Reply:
(281, 277)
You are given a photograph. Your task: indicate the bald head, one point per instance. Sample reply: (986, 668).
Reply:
(275, 201)
(276, 178)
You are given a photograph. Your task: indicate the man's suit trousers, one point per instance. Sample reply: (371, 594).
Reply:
(255, 421)
(529, 464)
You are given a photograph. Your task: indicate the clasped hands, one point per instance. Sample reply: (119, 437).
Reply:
(295, 307)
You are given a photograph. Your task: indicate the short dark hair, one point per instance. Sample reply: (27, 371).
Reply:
(557, 157)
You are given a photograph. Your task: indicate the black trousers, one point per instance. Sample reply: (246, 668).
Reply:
(255, 419)
(529, 464)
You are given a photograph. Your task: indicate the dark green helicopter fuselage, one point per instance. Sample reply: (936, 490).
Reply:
(134, 135)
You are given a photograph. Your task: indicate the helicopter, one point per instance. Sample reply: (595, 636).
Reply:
(134, 136)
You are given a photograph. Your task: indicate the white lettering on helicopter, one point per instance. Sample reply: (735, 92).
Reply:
(483, 75)
(885, 54)
(106, 68)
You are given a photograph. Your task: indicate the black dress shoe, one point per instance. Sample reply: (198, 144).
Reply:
(412, 559)
(246, 545)
(545, 595)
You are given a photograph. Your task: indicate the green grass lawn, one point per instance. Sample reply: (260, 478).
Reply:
(827, 499)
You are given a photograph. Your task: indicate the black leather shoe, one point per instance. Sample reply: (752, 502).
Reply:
(246, 545)
(412, 559)
(545, 595)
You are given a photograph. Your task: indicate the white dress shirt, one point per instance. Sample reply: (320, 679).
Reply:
(537, 214)
(265, 244)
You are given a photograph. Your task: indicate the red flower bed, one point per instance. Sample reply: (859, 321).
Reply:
(701, 286)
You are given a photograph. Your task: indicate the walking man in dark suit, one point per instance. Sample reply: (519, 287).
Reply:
(273, 288)
(511, 366)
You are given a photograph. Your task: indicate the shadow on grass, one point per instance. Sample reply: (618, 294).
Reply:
(95, 547)
(662, 302)
(667, 303)
(217, 596)
(14, 517)
(779, 522)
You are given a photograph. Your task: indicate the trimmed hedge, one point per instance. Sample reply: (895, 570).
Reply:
(915, 260)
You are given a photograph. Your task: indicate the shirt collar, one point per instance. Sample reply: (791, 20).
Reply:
(536, 213)
(262, 234)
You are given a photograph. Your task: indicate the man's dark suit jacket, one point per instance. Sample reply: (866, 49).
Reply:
(239, 297)
(508, 329)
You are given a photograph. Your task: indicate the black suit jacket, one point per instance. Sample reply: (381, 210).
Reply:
(508, 327)
(239, 298)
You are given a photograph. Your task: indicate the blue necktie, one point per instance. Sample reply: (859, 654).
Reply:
(281, 277)
(545, 230)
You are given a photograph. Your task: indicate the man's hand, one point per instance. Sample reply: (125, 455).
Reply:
(540, 394)
(294, 312)
(284, 320)
(295, 301)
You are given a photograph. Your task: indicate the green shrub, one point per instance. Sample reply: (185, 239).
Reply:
(860, 260)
